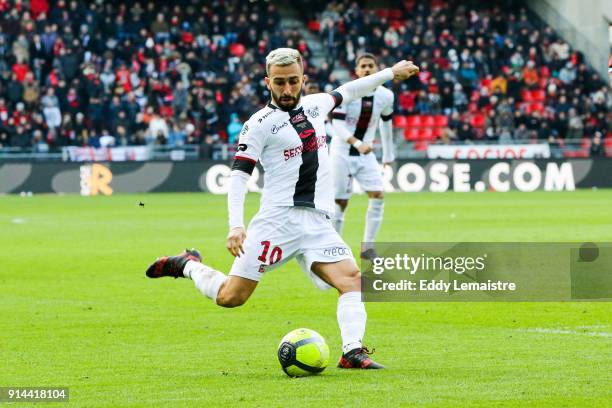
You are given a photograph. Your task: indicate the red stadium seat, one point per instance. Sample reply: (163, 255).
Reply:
(477, 120)
(421, 146)
(426, 134)
(441, 120)
(395, 14)
(538, 95)
(427, 120)
(411, 134)
(536, 106)
(437, 132)
(400, 121)
(314, 25)
(608, 141)
(585, 143)
(414, 120)
(526, 95)
(396, 24)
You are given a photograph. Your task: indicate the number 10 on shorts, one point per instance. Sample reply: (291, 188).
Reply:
(275, 255)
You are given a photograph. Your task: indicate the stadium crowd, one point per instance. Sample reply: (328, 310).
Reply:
(496, 74)
(102, 73)
(190, 72)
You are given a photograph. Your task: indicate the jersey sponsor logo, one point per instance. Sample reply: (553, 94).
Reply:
(311, 145)
(313, 112)
(242, 147)
(300, 117)
(265, 116)
(276, 128)
(335, 251)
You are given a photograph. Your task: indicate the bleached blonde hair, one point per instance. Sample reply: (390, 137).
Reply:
(283, 57)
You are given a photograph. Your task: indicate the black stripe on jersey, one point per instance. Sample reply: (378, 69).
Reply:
(337, 98)
(367, 105)
(244, 164)
(386, 118)
(338, 115)
(305, 186)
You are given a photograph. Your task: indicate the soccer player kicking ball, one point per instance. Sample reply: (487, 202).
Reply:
(293, 221)
(354, 124)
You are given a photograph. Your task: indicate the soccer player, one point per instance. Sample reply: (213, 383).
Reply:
(354, 124)
(287, 137)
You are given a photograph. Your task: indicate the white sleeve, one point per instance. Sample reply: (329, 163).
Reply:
(363, 86)
(235, 198)
(386, 137)
(340, 130)
(386, 133)
(250, 147)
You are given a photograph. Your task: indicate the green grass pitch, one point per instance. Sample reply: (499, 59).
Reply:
(77, 311)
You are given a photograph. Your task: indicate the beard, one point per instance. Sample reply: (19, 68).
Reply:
(286, 103)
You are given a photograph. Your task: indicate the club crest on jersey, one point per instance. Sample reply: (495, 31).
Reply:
(313, 112)
(300, 117)
(367, 103)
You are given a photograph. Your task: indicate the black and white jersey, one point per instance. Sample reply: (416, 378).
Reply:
(360, 118)
(292, 149)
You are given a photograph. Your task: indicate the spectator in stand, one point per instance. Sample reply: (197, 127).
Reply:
(51, 110)
(575, 125)
(196, 64)
(597, 148)
(233, 129)
(465, 133)
(521, 133)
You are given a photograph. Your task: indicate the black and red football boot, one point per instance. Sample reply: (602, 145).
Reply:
(173, 265)
(359, 358)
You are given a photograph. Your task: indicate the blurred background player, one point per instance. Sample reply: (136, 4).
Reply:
(293, 221)
(354, 125)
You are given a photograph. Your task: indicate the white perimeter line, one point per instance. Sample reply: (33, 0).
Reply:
(561, 331)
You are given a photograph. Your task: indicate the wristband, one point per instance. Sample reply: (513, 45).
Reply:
(357, 144)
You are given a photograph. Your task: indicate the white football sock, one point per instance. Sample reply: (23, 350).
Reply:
(339, 219)
(374, 217)
(206, 279)
(352, 320)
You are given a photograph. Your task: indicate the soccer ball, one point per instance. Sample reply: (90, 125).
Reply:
(303, 352)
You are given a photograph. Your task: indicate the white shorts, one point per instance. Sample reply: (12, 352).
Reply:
(363, 168)
(278, 234)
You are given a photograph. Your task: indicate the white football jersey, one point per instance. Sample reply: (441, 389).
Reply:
(292, 149)
(360, 119)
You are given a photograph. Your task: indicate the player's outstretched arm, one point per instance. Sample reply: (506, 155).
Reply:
(235, 206)
(363, 86)
(249, 150)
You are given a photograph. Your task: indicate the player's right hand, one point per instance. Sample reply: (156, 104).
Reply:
(364, 148)
(235, 239)
(404, 70)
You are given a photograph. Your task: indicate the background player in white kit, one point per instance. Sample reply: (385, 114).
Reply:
(355, 124)
(288, 138)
